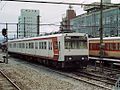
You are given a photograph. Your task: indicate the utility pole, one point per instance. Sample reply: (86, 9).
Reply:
(6, 61)
(17, 30)
(101, 34)
(38, 21)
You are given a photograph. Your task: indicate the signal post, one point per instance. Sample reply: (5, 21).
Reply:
(5, 34)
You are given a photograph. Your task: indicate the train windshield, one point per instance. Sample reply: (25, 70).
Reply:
(75, 42)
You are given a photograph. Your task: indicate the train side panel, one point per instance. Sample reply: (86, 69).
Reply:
(53, 49)
(111, 47)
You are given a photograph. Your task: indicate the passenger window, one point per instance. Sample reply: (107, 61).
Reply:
(36, 45)
(49, 45)
(39, 45)
(119, 45)
(26, 45)
(44, 45)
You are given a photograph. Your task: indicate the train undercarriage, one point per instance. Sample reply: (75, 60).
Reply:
(75, 64)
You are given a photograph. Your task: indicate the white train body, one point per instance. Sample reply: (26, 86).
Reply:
(61, 48)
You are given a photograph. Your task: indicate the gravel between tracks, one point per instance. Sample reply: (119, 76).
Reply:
(29, 78)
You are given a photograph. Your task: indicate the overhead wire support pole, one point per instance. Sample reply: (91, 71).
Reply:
(101, 34)
(17, 30)
(38, 29)
(6, 61)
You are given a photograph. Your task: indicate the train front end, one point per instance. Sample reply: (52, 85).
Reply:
(75, 50)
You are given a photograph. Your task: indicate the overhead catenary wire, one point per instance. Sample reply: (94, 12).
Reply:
(52, 24)
(64, 3)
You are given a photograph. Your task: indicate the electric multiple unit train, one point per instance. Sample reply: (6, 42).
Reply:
(111, 47)
(63, 50)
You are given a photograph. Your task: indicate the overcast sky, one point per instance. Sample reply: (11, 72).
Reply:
(9, 12)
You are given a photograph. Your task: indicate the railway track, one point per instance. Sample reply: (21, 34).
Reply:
(79, 78)
(6, 83)
(107, 80)
(111, 72)
(83, 78)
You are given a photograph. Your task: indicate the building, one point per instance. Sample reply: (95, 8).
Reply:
(28, 23)
(89, 22)
(65, 23)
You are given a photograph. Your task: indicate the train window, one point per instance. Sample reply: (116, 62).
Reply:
(44, 45)
(50, 45)
(26, 45)
(14, 45)
(32, 45)
(112, 46)
(67, 46)
(118, 46)
(19, 45)
(36, 45)
(10, 45)
(107, 46)
(39, 45)
(23, 45)
(82, 45)
(98, 46)
(75, 44)
(29, 45)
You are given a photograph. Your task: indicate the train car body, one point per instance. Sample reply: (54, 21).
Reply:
(111, 47)
(64, 50)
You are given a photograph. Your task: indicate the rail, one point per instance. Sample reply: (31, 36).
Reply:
(117, 85)
(9, 80)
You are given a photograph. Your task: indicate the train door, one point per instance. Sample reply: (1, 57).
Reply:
(55, 48)
(49, 48)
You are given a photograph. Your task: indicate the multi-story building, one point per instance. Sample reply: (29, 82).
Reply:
(28, 23)
(65, 23)
(90, 22)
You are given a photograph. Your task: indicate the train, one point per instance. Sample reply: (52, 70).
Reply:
(111, 47)
(61, 50)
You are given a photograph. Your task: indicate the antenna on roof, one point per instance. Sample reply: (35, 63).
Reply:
(70, 7)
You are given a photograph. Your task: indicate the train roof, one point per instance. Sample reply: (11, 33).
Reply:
(49, 36)
(105, 38)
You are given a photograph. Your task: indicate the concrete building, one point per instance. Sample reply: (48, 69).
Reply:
(28, 23)
(89, 22)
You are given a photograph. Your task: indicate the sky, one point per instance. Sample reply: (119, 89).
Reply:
(9, 12)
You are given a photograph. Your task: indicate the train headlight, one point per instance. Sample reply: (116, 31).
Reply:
(83, 58)
(70, 58)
